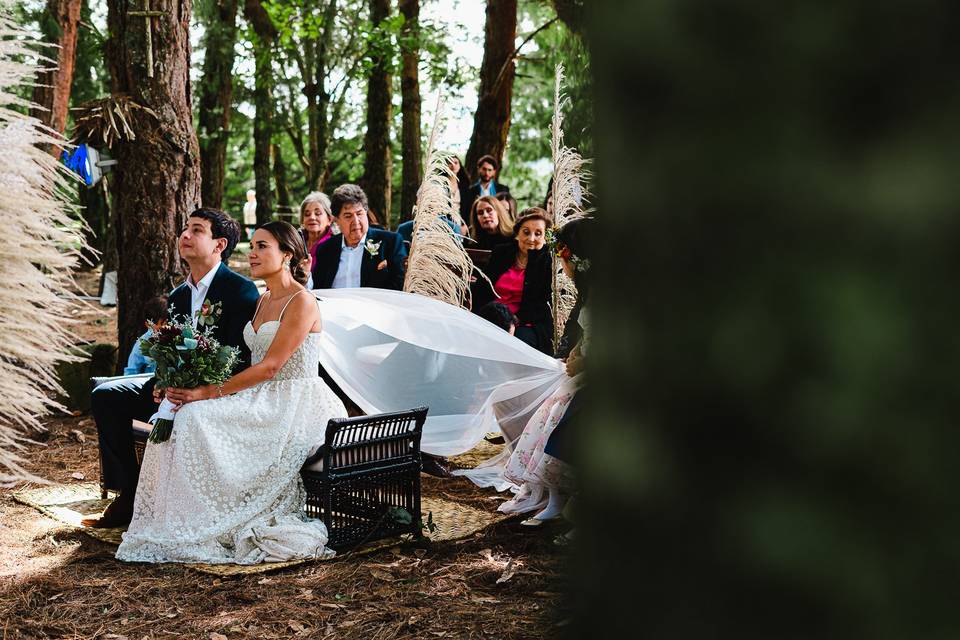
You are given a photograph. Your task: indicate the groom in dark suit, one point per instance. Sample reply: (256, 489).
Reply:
(211, 290)
(361, 256)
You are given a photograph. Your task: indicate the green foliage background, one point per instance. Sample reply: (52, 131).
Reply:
(526, 166)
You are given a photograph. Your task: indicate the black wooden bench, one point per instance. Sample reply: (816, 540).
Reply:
(364, 482)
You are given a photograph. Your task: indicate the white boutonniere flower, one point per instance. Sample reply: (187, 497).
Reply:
(373, 248)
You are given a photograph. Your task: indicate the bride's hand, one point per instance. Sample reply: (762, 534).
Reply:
(183, 396)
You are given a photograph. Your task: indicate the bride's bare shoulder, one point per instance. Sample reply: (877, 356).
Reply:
(302, 306)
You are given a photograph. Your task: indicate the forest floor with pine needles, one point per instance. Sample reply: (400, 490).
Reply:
(57, 582)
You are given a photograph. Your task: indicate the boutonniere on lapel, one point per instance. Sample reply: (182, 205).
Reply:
(373, 248)
(209, 313)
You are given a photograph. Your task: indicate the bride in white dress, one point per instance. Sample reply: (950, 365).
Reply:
(226, 487)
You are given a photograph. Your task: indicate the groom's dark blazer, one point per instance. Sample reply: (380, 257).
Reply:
(238, 296)
(116, 403)
(390, 276)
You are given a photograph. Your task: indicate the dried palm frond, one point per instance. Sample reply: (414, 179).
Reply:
(438, 266)
(569, 194)
(104, 121)
(43, 246)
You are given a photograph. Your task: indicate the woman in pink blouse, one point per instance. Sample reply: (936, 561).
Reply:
(521, 273)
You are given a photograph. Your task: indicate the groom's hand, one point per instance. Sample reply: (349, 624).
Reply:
(158, 393)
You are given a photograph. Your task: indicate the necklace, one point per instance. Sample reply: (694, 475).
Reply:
(522, 264)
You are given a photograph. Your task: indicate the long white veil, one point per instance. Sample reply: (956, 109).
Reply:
(390, 350)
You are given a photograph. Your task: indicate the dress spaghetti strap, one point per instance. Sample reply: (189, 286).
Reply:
(280, 318)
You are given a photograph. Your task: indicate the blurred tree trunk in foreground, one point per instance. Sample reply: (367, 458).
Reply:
(772, 451)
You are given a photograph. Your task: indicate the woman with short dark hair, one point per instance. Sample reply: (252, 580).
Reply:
(521, 273)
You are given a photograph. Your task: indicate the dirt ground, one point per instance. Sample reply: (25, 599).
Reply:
(56, 582)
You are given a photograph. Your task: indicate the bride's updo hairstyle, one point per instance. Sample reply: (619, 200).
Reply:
(574, 239)
(290, 242)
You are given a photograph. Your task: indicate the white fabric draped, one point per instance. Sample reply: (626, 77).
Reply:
(390, 351)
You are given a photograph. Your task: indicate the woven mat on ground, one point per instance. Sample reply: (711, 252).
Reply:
(71, 503)
(480, 453)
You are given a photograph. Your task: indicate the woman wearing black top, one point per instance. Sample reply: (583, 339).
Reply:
(489, 224)
(461, 182)
(521, 273)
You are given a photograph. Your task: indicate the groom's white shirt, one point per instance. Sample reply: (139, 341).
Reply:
(198, 292)
(351, 259)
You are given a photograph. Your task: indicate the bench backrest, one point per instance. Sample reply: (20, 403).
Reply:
(382, 440)
(480, 257)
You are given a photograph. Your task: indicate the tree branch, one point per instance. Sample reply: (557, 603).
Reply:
(516, 52)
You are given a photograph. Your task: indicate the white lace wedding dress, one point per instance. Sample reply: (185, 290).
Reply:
(226, 487)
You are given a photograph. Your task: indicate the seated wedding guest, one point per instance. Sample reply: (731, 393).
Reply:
(521, 273)
(316, 222)
(316, 225)
(460, 189)
(452, 217)
(488, 174)
(206, 241)
(154, 310)
(374, 219)
(489, 224)
(500, 315)
(362, 256)
(509, 205)
(548, 199)
(405, 229)
(539, 464)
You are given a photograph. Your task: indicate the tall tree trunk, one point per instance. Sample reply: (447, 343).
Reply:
(376, 142)
(157, 180)
(280, 179)
(319, 164)
(87, 85)
(491, 122)
(263, 102)
(216, 98)
(410, 104)
(311, 90)
(52, 91)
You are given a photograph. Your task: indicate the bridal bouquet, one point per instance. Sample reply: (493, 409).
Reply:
(186, 358)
